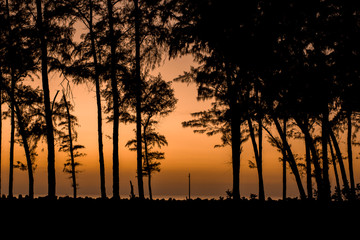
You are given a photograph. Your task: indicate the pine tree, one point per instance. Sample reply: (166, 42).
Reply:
(68, 137)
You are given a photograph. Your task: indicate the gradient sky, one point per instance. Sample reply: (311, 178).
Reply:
(210, 167)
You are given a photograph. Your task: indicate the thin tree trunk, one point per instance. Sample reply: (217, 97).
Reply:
(147, 161)
(260, 142)
(350, 157)
(72, 160)
(27, 151)
(284, 168)
(25, 143)
(260, 165)
(0, 130)
(308, 171)
(12, 138)
(338, 190)
(235, 150)
(48, 110)
(12, 142)
(12, 99)
(98, 104)
(291, 159)
(324, 141)
(115, 95)
(2, 81)
(305, 130)
(285, 159)
(341, 163)
(138, 93)
(257, 158)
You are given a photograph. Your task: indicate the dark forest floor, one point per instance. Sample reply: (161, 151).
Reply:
(100, 217)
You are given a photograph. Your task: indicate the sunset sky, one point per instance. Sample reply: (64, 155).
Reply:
(210, 167)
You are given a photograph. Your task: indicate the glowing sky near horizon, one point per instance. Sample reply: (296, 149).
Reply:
(210, 167)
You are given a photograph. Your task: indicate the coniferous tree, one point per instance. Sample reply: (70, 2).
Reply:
(115, 96)
(217, 45)
(17, 61)
(87, 66)
(68, 138)
(158, 100)
(54, 30)
(30, 124)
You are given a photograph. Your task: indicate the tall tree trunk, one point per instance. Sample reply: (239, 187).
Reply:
(284, 167)
(235, 150)
(260, 165)
(291, 159)
(350, 157)
(338, 190)
(12, 99)
(24, 137)
(0, 130)
(324, 141)
(308, 171)
(341, 163)
(48, 110)
(138, 93)
(235, 131)
(72, 160)
(2, 81)
(257, 158)
(115, 95)
(98, 104)
(12, 139)
(147, 163)
(304, 127)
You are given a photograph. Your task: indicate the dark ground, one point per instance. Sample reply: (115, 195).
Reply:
(176, 219)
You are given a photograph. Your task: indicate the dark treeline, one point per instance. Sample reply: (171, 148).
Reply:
(279, 70)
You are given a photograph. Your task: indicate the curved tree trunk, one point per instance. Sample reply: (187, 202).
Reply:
(27, 151)
(257, 153)
(291, 159)
(305, 130)
(341, 163)
(338, 190)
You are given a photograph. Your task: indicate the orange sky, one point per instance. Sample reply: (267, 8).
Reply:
(210, 168)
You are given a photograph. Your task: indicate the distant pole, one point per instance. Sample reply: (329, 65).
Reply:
(189, 187)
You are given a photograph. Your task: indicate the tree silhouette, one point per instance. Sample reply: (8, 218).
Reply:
(68, 137)
(148, 21)
(88, 67)
(17, 62)
(346, 53)
(54, 30)
(11, 55)
(30, 123)
(138, 93)
(287, 71)
(217, 33)
(115, 94)
(150, 140)
(158, 100)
